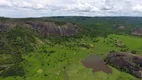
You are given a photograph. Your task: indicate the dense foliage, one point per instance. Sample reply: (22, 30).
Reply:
(13, 44)
(17, 40)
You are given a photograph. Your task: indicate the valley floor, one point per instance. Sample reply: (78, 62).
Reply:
(63, 61)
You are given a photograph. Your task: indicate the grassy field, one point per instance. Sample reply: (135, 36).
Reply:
(63, 61)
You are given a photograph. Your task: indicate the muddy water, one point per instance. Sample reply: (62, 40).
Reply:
(97, 64)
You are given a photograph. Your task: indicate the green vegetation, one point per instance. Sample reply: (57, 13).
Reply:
(14, 43)
(28, 56)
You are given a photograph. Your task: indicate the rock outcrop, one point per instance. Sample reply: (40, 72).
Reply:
(52, 29)
(127, 62)
(137, 32)
(119, 27)
(3, 27)
(46, 28)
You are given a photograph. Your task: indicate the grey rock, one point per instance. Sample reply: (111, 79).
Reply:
(126, 62)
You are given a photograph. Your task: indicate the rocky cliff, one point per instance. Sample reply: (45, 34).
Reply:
(44, 27)
(52, 29)
(127, 62)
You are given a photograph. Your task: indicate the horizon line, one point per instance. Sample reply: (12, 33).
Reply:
(67, 16)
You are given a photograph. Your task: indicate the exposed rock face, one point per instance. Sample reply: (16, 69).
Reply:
(137, 32)
(51, 29)
(126, 62)
(3, 27)
(43, 27)
(119, 27)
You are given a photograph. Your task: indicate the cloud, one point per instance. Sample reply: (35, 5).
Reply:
(28, 5)
(137, 8)
(4, 3)
(82, 7)
(35, 8)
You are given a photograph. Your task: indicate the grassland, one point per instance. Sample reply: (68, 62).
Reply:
(63, 61)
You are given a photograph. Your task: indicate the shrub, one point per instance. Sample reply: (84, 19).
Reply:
(15, 70)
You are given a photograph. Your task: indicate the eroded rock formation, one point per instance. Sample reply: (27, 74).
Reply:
(52, 29)
(3, 27)
(127, 62)
(137, 32)
(47, 28)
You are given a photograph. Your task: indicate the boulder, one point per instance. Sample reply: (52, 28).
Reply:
(120, 45)
(126, 62)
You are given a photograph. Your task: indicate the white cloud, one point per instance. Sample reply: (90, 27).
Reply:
(4, 3)
(82, 7)
(27, 8)
(137, 8)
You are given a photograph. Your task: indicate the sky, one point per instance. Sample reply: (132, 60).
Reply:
(45, 8)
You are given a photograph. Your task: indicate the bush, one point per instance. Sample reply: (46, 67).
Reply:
(133, 52)
(20, 40)
(15, 70)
